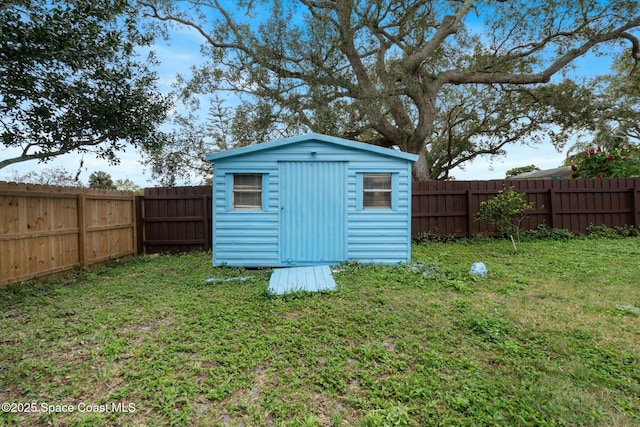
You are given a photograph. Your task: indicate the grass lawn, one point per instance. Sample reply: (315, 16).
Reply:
(550, 338)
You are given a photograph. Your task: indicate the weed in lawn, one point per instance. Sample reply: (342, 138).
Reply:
(491, 327)
(627, 310)
(31, 292)
(394, 416)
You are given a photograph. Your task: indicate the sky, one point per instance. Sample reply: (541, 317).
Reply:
(183, 51)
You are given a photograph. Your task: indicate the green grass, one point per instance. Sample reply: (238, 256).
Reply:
(550, 338)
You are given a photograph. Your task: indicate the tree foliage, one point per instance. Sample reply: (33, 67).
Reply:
(447, 80)
(520, 170)
(612, 109)
(126, 184)
(70, 80)
(101, 179)
(48, 176)
(182, 158)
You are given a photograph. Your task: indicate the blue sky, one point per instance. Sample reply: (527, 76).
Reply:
(183, 51)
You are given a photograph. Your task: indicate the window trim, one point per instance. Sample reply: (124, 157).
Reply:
(374, 191)
(247, 189)
(360, 190)
(231, 190)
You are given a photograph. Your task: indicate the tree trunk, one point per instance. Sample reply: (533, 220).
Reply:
(420, 169)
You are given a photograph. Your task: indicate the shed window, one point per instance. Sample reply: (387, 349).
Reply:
(247, 191)
(376, 191)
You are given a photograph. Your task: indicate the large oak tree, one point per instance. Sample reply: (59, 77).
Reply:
(448, 80)
(70, 80)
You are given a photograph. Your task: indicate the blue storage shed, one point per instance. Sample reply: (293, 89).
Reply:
(310, 200)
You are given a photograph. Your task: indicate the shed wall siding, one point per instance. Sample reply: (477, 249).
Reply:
(377, 235)
(245, 238)
(252, 238)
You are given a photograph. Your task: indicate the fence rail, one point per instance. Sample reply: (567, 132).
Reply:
(46, 230)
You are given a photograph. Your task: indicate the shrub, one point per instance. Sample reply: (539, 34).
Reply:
(543, 231)
(620, 162)
(506, 211)
(435, 236)
(612, 232)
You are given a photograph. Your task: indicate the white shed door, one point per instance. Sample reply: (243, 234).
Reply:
(312, 212)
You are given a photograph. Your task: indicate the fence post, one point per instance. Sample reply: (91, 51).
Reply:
(82, 230)
(469, 215)
(205, 223)
(139, 225)
(635, 202)
(552, 211)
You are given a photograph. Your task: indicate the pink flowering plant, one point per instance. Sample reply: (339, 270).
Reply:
(615, 163)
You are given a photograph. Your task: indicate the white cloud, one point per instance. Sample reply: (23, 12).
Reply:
(543, 155)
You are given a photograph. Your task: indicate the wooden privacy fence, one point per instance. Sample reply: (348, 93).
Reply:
(179, 219)
(174, 219)
(447, 207)
(46, 230)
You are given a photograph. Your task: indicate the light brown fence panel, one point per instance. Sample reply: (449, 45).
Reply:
(46, 230)
(110, 229)
(38, 231)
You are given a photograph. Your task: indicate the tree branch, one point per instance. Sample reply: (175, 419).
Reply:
(635, 45)
(174, 18)
(464, 77)
(64, 149)
(448, 26)
(24, 157)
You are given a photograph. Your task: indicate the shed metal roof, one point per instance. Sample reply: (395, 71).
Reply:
(308, 137)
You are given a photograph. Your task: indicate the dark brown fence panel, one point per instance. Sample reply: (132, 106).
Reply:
(176, 219)
(440, 207)
(447, 208)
